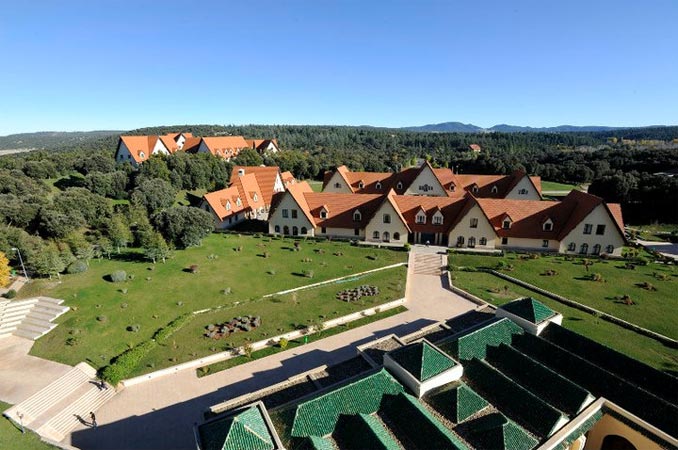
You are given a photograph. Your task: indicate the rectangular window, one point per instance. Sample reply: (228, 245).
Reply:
(437, 220)
(474, 223)
(588, 228)
(545, 243)
(504, 241)
(294, 213)
(387, 218)
(600, 229)
(356, 232)
(286, 213)
(421, 218)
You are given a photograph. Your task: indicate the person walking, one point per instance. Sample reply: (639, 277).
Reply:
(93, 419)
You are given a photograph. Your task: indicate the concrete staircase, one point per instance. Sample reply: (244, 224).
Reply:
(30, 318)
(58, 408)
(428, 264)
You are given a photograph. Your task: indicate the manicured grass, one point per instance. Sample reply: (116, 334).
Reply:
(554, 186)
(12, 439)
(159, 293)
(658, 232)
(317, 186)
(189, 198)
(492, 289)
(223, 365)
(654, 310)
(279, 315)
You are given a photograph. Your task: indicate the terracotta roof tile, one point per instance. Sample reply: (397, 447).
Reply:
(265, 175)
(225, 146)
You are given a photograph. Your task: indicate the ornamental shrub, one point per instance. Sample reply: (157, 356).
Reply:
(118, 276)
(78, 266)
(9, 294)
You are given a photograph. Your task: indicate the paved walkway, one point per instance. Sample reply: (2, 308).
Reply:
(668, 249)
(161, 412)
(22, 375)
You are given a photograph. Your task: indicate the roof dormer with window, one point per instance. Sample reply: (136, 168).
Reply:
(361, 184)
(324, 212)
(547, 225)
(378, 185)
(495, 189)
(438, 218)
(357, 216)
(421, 216)
(506, 222)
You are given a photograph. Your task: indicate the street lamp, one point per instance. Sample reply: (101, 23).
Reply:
(22, 262)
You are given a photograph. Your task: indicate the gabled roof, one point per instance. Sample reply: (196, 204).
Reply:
(287, 178)
(298, 191)
(225, 146)
(191, 143)
(341, 208)
(261, 144)
(422, 360)
(169, 141)
(495, 431)
(410, 205)
(265, 175)
(529, 309)
(245, 430)
(138, 145)
(580, 204)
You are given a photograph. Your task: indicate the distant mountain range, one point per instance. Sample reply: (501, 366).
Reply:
(51, 139)
(458, 127)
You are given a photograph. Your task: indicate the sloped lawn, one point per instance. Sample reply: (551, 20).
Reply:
(247, 267)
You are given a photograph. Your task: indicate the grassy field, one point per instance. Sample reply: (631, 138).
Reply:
(189, 198)
(655, 232)
(655, 310)
(554, 186)
(497, 291)
(12, 439)
(278, 314)
(317, 186)
(96, 329)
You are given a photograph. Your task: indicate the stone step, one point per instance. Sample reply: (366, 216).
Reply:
(62, 423)
(33, 335)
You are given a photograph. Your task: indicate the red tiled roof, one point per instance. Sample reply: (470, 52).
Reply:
(169, 141)
(139, 144)
(225, 146)
(287, 178)
(265, 175)
(475, 147)
(244, 188)
(191, 144)
(410, 205)
(341, 207)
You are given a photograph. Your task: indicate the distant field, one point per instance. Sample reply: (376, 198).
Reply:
(655, 232)
(552, 186)
(317, 186)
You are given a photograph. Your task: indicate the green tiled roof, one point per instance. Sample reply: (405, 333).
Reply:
(422, 360)
(495, 431)
(468, 403)
(474, 344)
(363, 431)
(412, 419)
(581, 429)
(529, 309)
(318, 417)
(246, 429)
(317, 443)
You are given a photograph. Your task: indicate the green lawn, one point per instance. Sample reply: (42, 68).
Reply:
(317, 186)
(492, 289)
(189, 198)
(655, 310)
(554, 186)
(278, 314)
(655, 232)
(12, 439)
(159, 293)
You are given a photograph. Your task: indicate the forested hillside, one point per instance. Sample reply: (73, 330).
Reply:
(51, 139)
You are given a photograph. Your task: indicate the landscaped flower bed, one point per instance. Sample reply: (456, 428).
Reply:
(353, 295)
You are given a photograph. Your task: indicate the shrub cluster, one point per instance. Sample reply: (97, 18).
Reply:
(118, 276)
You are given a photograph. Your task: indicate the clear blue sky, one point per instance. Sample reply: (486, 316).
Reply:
(72, 65)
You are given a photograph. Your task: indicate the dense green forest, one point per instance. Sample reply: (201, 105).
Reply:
(63, 206)
(51, 139)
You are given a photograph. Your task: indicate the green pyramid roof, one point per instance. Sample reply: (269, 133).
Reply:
(246, 429)
(529, 309)
(497, 432)
(422, 360)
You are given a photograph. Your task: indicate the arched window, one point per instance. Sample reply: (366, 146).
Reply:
(286, 230)
(609, 249)
(386, 218)
(474, 189)
(375, 235)
(378, 185)
(494, 189)
(399, 186)
(277, 228)
(483, 241)
(337, 185)
(460, 241)
(396, 236)
(385, 236)
(471, 242)
(304, 230)
(238, 202)
(584, 249)
(295, 231)
(361, 185)
(596, 250)
(571, 247)
(357, 217)
(452, 187)
(228, 206)
(142, 155)
(255, 198)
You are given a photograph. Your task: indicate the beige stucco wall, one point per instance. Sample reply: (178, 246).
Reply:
(377, 224)
(123, 154)
(599, 216)
(608, 425)
(524, 183)
(159, 149)
(463, 228)
(529, 244)
(341, 232)
(337, 178)
(426, 177)
(276, 218)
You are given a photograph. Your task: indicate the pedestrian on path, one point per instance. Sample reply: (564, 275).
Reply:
(94, 419)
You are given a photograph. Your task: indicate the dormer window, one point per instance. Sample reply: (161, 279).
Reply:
(399, 186)
(494, 189)
(474, 189)
(255, 198)
(238, 202)
(437, 218)
(357, 217)
(452, 187)
(421, 217)
(142, 155)
(547, 225)
(378, 185)
(361, 185)
(506, 223)
(324, 213)
(228, 206)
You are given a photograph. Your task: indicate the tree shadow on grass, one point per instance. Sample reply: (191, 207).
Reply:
(72, 181)
(129, 257)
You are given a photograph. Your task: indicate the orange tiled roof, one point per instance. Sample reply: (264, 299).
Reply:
(410, 205)
(265, 175)
(191, 144)
(287, 178)
(225, 146)
(244, 188)
(258, 144)
(169, 141)
(138, 145)
(341, 207)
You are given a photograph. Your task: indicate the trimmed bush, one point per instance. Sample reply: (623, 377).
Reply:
(9, 294)
(78, 266)
(134, 328)
(118, 276)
